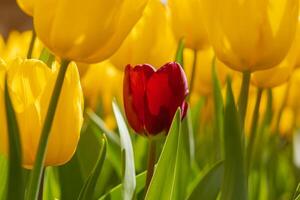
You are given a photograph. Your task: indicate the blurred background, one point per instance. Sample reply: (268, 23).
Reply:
(12, 18)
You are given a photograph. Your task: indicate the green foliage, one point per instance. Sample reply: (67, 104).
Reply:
(88, 189)
(129, 182)
(208, 186)
(170, 175)
(235, 180)
(15, 187)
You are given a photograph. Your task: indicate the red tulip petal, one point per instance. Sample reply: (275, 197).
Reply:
(135, 81)
(166, 91)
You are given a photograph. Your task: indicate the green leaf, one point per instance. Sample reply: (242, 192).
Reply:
(195, 113)
(187, 127)
(179, 52)
(129, 182)
(208, 186)
(116, 192)
(15, 189)
(47, 57)
(88, 190)
(88, 151)
(219, 109)
(168, 181)
(3, 177)
(70, 178)
(99, 123)
(297, 193)
(235, 180)
(51, 184)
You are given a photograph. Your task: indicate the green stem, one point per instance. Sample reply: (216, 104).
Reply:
(253, 129)
(41, 192)
(151, 162)
(31, 45)
(192, 80)
(243, 98)
(36, 174)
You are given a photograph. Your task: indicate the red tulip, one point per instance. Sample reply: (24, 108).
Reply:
(152, 97)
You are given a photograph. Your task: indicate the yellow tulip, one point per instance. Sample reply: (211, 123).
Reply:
(17, 45)
(85, 31)
(281, 73)
(26, 6)
(187, 20)
(203, 83)
(102, 90)
(150, 41)
(251, 35)
(30, 84)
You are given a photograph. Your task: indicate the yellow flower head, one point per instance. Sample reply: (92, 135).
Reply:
(251, 35)
(187, 21)
(85, 31)
(30, 84)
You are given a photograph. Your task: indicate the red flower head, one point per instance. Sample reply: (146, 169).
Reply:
(152, 97)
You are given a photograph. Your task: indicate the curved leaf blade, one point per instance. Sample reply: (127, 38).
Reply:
(129, 182)
(235, 180)
(167, 180)
(15, 188)
(209, 185)
(87, 191)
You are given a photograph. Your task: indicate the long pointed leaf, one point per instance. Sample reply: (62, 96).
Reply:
(116, 192)
(129, 182)
(235, 181)
(15, 177)
(167, 178)
(88, 189)
(209, 185)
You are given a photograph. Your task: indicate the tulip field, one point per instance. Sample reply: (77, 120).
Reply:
(150, 100)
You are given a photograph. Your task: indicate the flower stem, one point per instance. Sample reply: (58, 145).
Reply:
(36, 174)
(192, 80)
(31, 45)
(243, 98)
(41, 192)
(253, 128)
(151, 162)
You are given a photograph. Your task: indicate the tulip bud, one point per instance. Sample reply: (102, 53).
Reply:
(30, 85)
(187, 21)
(85, 31)
(152, 97)
(251, 35)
